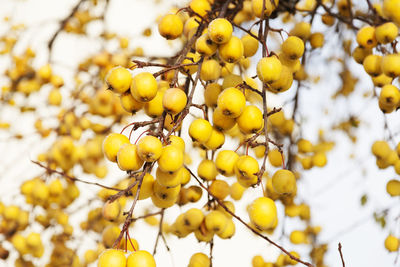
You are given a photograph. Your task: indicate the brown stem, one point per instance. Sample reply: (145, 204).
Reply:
(62, 25)
(341, 254)
(128, 219)
(50, 171)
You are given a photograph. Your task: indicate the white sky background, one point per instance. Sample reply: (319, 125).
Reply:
(333, 192)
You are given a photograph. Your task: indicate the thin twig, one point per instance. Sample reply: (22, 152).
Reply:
(341, 254)
(51, 171)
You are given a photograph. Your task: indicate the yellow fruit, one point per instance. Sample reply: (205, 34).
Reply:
(211, 93)
(251, 120)
(19, 243)
(269, 7)
(55, 97)
(269, 69)
(112, 258)
(381, 80)
(144, 87)
(246, 169)
(129, 103)
(128, 158)
(154, 107)
(216, 222)
(119, 79)
(380, 149)
(257, 261)
(263, 213)
(221, 121)
(193, 218)
(390, 65)
(200, 130)
(366, 37)
(140, 258)
(231, 102)
(236, 191)
(190, 24)
(220, 30)
(390, 10)
(207, 170)
(44, 72)
(301, 30)
(392, 243)
(169, 179)
(227, 68)
(390, 95)
(201, 7)
(174, 100)
(250, 45)
(185, 176)
(284, 182)
(328, 19)
(293, 64)
(360, 53)
(162, 203)
(298, 237)
(293, 47)
(205, 46)
(275, 157)
(319, 159)
(229, 230)
(226, 161)
(386, 33)
(112, 144)
(372, 65)
(219, 189)
(55, 188)
(170, 26)
(304, 146)
(177, 141)
(393, 188)
(57, 81)
(199, 260)
(166, 193)
(179, 227)
(284, 82)
(190, 59)
(231, 51)
(317, 40)
(111, 210)
(194, 193)
(210, 70)
(231, 80)
(149, 148)
(171, 159)
(245, 63)
(217, 139)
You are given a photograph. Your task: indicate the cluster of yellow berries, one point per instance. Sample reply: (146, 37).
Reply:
(30, 244)
(317, 157)
(282, 260)
(114, 257)
(56, 191)
(205, 226)
(13, 219)
(386, 157)
(170, 174)
(385, 68)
